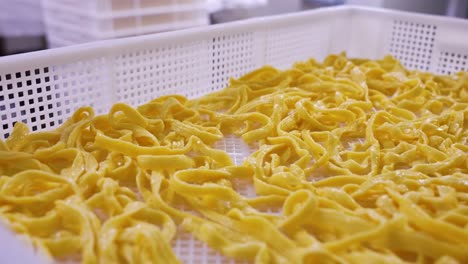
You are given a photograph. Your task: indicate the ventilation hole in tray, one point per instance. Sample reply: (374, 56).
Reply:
(231, 56)
(235, 147)
(192, 251)
(452, 62)
(39, 96)
(22, 99)
(163, 70)
(244, 187)
(287, 45)
(413, 43)
(238, 150)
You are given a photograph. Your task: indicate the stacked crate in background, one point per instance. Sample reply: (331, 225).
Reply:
(21, 26)
(21, 18)
(77, 21)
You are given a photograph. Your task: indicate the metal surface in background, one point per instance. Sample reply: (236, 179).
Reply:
(15, 45)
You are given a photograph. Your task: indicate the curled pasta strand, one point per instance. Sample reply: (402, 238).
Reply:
(353, 161)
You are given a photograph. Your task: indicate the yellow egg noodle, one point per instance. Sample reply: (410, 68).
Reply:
(365, 160)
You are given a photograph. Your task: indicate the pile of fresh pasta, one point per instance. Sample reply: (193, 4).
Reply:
(355, 161)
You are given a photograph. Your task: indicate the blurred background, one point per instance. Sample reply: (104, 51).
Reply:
(29, 25)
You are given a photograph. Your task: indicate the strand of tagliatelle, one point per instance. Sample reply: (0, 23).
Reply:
(366, 160)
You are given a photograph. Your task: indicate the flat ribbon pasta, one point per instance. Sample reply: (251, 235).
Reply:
(354, 161)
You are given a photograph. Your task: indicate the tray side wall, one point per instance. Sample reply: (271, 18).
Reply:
(43, 89)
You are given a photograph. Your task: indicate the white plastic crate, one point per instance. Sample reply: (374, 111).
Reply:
(44, 88)
(116, 8)
(21, 18)
(75, 21)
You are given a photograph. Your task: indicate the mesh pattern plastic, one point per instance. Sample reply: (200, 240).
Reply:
(141, 74)
(290, 44)
(186, 247)
(231, 56)
(413, 43)
(452, 62)
(45, 97)
(192, 251)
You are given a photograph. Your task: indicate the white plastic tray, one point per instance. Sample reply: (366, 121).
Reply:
(106, 28)
(122, 8)
(79, 21)
(21, 18)
(44, 88)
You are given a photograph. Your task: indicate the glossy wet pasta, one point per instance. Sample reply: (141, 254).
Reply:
(356, 161)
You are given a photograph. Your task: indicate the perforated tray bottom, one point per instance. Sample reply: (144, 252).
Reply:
(186, 247)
